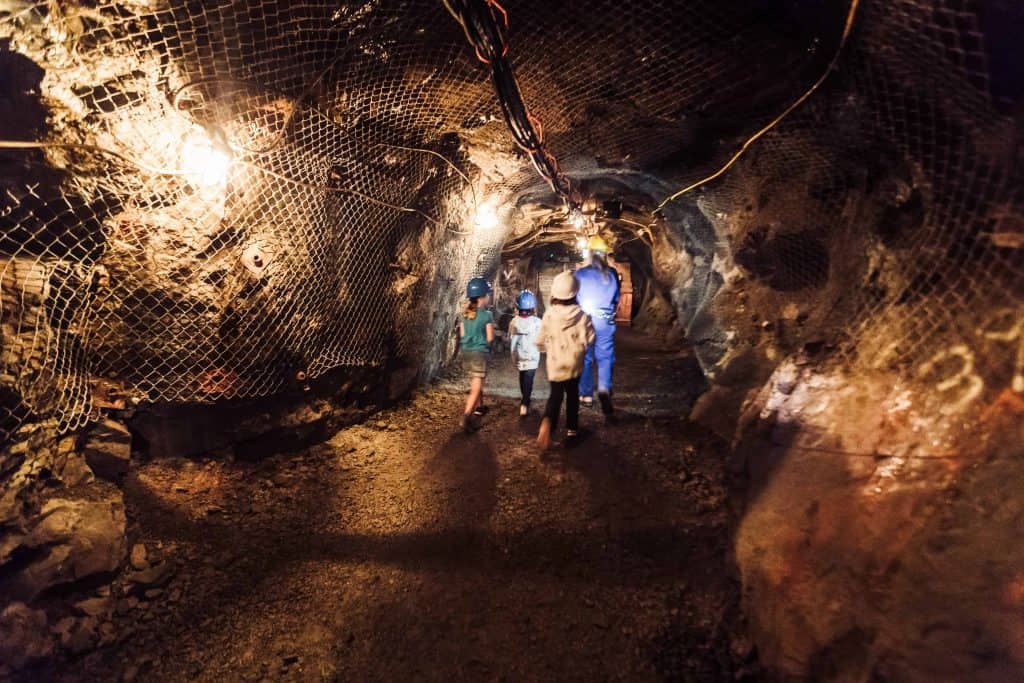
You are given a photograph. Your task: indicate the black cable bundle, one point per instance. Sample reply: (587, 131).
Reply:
(484, 30)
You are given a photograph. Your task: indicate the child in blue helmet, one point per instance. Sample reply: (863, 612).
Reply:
(523, 331)
(476, 332)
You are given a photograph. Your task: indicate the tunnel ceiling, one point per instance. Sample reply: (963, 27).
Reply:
(231, 195)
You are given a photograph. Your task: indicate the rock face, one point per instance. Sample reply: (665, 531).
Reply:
(74, 539)
(64, 534)
(865, 556)
(107, 448)
(24, 636)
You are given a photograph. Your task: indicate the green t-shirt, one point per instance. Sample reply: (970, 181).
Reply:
(474, 336)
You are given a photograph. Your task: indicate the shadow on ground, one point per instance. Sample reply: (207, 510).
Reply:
(404, 549)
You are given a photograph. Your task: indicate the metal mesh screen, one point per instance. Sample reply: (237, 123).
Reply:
(896, 195)
(232, 191)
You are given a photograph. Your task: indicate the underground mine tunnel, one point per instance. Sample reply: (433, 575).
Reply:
(235, 243)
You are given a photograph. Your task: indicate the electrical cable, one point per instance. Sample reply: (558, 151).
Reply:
(443, 158)
(480, 22)
(541, 236)
(746, 145)
(639, 233)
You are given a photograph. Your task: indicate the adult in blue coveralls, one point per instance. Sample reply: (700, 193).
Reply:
(599, 297)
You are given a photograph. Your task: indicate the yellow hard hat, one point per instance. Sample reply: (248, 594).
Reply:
(597, 243)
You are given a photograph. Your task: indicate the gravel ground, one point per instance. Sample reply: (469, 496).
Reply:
(403, 549)
(650, 379)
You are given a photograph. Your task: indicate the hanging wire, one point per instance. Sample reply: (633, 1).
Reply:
(482, 22)
(756, 136)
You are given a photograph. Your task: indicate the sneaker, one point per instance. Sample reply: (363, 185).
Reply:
(571, 438)
(481, 411)
(523, 411)
(469, 424)
(587, 401)
(606, 402)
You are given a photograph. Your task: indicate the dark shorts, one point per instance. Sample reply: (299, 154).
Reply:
(475, 363)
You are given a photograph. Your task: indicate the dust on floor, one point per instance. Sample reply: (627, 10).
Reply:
(403, 549)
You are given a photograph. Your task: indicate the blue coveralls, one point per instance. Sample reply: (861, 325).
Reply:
(599, 297)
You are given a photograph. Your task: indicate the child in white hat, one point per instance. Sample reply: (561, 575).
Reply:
(565, 334)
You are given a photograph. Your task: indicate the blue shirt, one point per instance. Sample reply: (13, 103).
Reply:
(474, 332)
(599, 291)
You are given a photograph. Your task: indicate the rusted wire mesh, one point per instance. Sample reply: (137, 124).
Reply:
(236, 193)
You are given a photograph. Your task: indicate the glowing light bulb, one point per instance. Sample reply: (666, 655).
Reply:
(576, 218)
(204, 163)
(486, 217)
(581, 243)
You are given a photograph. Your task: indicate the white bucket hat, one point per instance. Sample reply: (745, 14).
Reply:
(565, 286)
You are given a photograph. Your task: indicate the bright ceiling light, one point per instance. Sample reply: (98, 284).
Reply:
(486, 217)
(205, 164)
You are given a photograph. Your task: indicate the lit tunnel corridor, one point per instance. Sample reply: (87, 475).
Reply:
(235, 239)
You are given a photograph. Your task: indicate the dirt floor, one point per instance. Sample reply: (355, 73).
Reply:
(650, 378)
(402, 549)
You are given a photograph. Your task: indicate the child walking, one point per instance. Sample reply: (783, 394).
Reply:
(565, 333)
(523, 331)
(476, 332)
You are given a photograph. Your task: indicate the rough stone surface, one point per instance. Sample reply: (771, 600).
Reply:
(138, 557)
(853, 528)
(77, 636)
(153, 576)
(415, 551)
(107, 447)
(74, 539)
(24, 636)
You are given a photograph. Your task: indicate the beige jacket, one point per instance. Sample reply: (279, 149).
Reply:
(565, 333)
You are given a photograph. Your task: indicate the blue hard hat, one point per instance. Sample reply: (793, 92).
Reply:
(478, 286)
(526, 300)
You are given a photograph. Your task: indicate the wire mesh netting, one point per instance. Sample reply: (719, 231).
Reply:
(896, 195)
(228, 195)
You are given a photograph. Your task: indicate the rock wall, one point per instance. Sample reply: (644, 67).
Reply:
(62, 515)
(879, 543)
(860, 322)
(148, 310)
